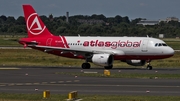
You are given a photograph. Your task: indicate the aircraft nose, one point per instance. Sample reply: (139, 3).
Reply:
(169, 51)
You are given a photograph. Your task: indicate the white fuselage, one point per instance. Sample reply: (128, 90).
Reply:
(134, 46)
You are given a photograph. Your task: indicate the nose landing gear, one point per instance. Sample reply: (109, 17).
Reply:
(149, 67)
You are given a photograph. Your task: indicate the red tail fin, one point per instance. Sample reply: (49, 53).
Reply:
(35, 26)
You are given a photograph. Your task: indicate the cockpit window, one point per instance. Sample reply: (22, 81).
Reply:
(160, 44)
(164, 44)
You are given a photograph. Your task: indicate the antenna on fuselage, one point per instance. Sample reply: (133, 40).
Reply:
(147, 36)
(79, 35)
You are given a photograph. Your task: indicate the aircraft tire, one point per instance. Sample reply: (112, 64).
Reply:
(86, 66)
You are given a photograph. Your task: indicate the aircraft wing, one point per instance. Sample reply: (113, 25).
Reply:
(93, 51)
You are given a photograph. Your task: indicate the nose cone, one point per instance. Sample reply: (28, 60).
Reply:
(169, 51)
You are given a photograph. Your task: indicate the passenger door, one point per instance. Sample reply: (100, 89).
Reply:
(145, 45)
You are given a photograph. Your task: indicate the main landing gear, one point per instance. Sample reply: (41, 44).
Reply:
(86, 65)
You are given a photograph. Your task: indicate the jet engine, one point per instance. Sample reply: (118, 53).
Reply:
(135, 62)
(102, 59)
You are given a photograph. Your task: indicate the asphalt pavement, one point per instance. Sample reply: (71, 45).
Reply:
(37, 79)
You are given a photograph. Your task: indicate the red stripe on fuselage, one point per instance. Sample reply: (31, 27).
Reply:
(65, 42)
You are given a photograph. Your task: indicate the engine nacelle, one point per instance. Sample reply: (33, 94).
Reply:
(136, 62)
(102, 59)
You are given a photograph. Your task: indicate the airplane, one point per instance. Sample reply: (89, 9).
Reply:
(135, 51)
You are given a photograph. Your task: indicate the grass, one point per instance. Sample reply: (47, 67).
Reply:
(10, 40)
(174, 44)
(31, 57)
(60, 97)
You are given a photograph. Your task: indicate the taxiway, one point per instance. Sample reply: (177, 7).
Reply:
(38, 79)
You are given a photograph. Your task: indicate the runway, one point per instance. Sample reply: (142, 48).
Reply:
(37, 79)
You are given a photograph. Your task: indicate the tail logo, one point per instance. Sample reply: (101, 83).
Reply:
(33, 24)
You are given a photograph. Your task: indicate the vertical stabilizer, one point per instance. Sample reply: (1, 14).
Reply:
(35, 26)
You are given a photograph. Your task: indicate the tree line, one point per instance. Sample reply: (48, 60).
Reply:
(94, 25)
